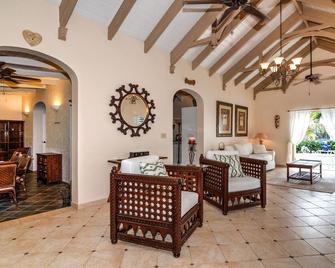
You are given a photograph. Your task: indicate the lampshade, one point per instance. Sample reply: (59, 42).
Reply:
(264, 65)
(279, 60)
(261, 136)
(293, 67)
(297, 61)
(274, 69)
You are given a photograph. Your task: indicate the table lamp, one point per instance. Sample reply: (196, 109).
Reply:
(261, 136)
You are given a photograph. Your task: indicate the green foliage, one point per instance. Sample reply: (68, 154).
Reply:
(316, 131)
(313, 146)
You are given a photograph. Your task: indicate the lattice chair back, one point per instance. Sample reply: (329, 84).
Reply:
(15, 156)
(7, 175)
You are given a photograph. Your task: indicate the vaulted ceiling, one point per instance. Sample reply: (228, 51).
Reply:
(241, 44)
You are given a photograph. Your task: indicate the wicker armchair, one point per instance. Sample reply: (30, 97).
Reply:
(7, 180)
(151, 210)
(234, 193)
(21, 171)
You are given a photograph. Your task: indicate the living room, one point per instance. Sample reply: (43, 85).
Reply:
(110, 49)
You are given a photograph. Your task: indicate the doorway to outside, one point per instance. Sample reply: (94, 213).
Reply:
(187, 122)
(39, 131)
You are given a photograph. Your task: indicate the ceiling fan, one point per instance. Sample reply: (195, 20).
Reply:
(9, 77)
(232, 5)
(312, 77)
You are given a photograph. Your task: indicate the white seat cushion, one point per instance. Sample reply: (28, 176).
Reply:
(132, 165)
(188, 201)
(266, 157)
(238, 184)
(259, 149)
(210, 154)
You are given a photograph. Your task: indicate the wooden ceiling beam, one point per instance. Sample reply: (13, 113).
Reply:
(326, 45)
(119, 18)
(161, 26)
(196, 31)
(230, 27)
(245, 39)
(66, 8)
(311, 14)
(268, 81)
(309, 29)
(256, 51)
(319, 3)
(287, 53)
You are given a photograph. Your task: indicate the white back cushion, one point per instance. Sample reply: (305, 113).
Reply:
(210, 154)
(229, 148)
(132, 165)
(259, 149)
(244, 149)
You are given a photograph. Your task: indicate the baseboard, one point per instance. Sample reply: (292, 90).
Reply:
(88, 204)
(280, 166)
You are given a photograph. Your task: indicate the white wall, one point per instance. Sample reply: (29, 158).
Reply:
(10, 107)
(102, 66)
(271, 103)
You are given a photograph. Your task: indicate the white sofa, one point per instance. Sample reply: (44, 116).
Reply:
(255, 151)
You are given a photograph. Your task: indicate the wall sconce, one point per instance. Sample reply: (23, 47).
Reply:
(26, 111)
(56, 106)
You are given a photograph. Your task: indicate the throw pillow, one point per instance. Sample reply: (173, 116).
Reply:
(244, 149)
(259, 149)
(235, 168)
(153, 169)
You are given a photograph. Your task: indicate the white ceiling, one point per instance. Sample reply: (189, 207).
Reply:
(146, 14)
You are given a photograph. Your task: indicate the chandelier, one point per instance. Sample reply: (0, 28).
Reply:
(281, 69)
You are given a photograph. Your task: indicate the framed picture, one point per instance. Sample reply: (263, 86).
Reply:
(224, 119)
(241, 121)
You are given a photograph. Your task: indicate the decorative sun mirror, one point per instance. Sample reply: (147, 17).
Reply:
(133, 110)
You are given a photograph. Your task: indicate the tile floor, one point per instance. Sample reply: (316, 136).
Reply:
(297, 229)
(40, 198)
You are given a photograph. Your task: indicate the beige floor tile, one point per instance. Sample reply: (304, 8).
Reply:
(314, 261)
(281, 263)
(238, 252)
(292, 222)
(49, 245)
(8, 260)
(20, 246)
(307, 232)
(113, 257)
(314, 220)
(71, 259)
(209, 254)
(86, 243)
(323, 245)
(91, 231)
(248, 264)
(328, 230)
(36, 260)
(201, 239)
(269, 250)
(319, 212)
(166, 258)
(258, 235)
(206, 265)
(300, 212)
(228, 237)
(298, 248)
(139, 258)
(331, 257)
(221, 226)
(280, 234)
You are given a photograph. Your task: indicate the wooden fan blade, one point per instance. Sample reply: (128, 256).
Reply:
(316, 82)
(10, 80)
(224, 16)
(7, 71)
(255, 12)
(26, 78)
(328, 78)
(202, 9)
(202, 2)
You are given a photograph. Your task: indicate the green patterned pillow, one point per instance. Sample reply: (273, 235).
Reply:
(153, 169)
(235, 168)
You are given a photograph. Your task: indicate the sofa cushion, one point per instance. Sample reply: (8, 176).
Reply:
(244, 149)
(229, 148)
(235, 168)
(188, 201)
(266, 156)
(243, 183)
(259, 149)
(153, 169)
(210, 154)
(132, 165)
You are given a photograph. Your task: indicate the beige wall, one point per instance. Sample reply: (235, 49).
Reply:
(271, 103)
(57, 123)
(10, 107)
(102, 66)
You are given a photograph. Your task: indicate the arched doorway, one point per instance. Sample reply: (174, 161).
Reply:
(39, 131)
(32, 54)
(187, 122)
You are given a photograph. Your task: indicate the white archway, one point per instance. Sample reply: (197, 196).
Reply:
(199, 120)
(39, 56)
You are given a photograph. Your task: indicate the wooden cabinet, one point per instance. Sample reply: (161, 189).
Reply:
(49, 167)
(11, 137)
